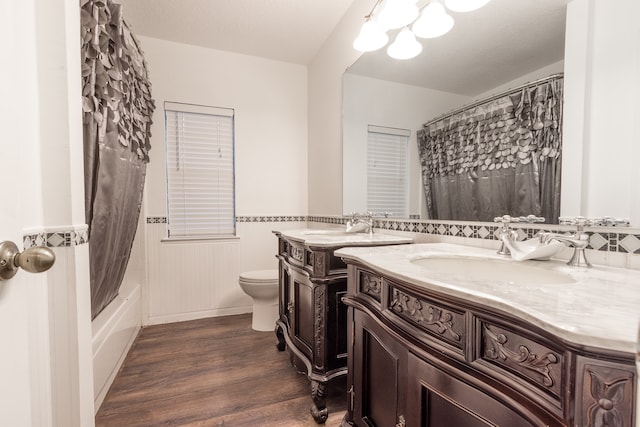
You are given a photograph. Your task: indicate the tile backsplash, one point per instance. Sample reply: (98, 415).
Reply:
(605, 243)
(609, 239)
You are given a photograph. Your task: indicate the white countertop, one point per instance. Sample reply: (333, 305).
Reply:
(600, 306)
(337, 237)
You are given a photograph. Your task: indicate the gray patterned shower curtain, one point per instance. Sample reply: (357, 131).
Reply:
(498, 157)
(117, 108)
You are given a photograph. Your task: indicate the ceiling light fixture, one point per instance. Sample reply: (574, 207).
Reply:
(434, 21)
(405, 45)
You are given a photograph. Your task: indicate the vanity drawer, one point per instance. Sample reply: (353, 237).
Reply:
(438, 320)
(521, 357)
(369, 286)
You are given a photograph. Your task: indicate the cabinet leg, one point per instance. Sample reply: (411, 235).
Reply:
(319, 408)
(280, 344)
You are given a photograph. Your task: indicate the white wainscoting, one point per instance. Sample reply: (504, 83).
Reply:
(195, 279)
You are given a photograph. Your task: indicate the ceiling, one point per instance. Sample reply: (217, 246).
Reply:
(488, 47)
(500, 42)
(284, 30)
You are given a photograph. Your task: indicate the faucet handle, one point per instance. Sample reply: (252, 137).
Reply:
(579, 221)
(504, 219)
(531, 219)
(608, 221)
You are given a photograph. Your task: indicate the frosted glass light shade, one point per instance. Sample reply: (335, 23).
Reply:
(405, 46)
(465, 5)
(434, 22)
(371, 37)
(397, 13)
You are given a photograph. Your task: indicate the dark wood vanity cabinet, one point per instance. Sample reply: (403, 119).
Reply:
(419, 358)
(312, 323)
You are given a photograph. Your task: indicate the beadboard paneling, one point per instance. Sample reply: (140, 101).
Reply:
(194, 279)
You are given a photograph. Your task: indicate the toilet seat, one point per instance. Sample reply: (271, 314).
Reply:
(259, 276)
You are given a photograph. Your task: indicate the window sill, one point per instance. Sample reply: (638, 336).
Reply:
(211, 239)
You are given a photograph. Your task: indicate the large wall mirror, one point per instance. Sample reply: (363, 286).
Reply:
(488, 51)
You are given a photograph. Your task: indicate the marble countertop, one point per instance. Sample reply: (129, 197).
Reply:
(598, 306)
(337, 237)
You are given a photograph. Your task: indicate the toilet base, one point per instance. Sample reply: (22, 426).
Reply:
(264, 317)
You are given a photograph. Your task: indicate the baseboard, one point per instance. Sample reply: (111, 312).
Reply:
(182, 317)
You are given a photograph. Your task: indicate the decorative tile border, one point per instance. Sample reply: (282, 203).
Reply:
(156, 220)
(607, 239)
(57, 239)
(276, 218)
(272, 218)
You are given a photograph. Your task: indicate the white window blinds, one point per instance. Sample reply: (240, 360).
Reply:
(388, 171)
(200, 171)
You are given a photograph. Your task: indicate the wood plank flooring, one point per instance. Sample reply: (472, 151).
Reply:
(212, 372)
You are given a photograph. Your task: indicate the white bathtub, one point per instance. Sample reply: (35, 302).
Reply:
(114, 331)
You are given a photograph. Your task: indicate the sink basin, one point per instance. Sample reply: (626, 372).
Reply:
(491, 270)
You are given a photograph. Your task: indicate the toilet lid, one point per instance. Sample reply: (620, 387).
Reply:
(259, 276)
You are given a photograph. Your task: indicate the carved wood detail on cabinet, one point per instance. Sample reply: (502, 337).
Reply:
(297, 253)
(319, 263)
(371, 285)
(447, 324)
(523, 356)
(320, 310)
(607, 395)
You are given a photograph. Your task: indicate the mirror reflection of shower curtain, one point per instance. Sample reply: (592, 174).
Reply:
(117, 107)
(495, 158)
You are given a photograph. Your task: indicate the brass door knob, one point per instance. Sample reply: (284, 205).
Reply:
(34, 260)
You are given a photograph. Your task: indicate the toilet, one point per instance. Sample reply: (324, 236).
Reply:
(262, 287)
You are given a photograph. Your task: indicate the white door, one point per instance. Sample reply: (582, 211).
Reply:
(24, 349)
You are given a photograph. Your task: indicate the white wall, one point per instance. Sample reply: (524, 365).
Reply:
(187, 280)
(270, 102)
(611, 126)
(325, 111)
(556, 67)
(368, 101)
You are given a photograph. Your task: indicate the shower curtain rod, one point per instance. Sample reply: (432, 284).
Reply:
(494, 97)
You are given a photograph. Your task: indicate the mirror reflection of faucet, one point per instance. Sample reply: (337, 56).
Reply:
(360, 223)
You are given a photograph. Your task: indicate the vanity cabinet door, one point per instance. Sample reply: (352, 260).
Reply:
(336, 326)
(379, 375)
(301, 314)
(285, 303)
(437, 398)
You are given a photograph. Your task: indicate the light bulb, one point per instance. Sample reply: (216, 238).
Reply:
(397, 13)
(405, 46)
(371, 37)
(434, 22)
(465, 5)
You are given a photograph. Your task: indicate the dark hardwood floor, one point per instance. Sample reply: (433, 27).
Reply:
(211, 372)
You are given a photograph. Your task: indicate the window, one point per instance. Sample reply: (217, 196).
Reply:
(388, 171)
(200, 171)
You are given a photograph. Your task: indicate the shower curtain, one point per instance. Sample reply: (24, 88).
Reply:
(498, 157)
(117, 108)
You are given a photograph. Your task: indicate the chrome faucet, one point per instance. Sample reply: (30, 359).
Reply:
(579, 240)
(360, 223)
(505, 233)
